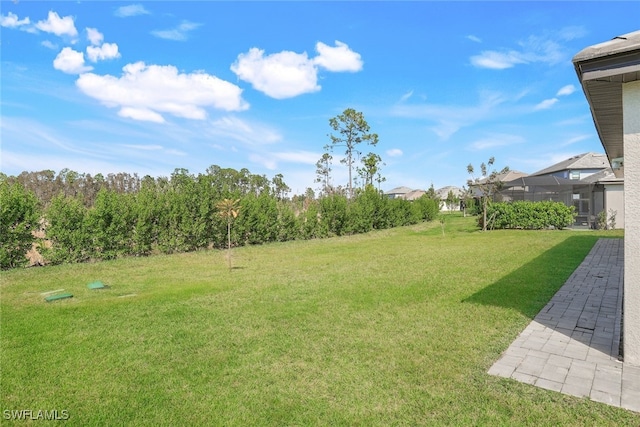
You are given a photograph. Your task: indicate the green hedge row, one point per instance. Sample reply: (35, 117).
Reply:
(182, 217)
(529, 215)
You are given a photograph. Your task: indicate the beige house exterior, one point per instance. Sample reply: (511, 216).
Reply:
(405, 193)
(609, 73)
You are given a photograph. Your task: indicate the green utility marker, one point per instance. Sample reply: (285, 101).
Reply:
(57, 297)
(96, 285)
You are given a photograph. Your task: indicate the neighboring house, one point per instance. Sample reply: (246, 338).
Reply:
(501, 196)
(586, 182)
(443, 194)
(414, 194)
(609, 73)
(404, 193)
(398, 192)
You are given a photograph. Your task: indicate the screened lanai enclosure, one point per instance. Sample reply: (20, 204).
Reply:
(588, 195)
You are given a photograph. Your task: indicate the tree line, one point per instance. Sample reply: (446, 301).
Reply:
(139, 217)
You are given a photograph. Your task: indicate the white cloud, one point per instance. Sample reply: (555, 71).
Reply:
(339, 58)
(406, 96)
(279, 75)
(496, 140)
(572, 33)
(106, 51)
(450, 119)
(474, 38)
(546, 104)
(251, 134)
(145, 92)
(146, 147)
(287, 74)
(497, 60)
(180, 33)
(11, 20)
(271, 160)
(154, 147)
(94, 36)
(566, 90)
(58, 26)
(575, 139)
(304, 157)
(142, 114)
(533, 49)
(70, 61)
(266, 162)
(131, 10)
(394, 152)
(50, 45)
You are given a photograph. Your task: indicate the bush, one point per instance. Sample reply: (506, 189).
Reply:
(18, 219)
(67, 230)
(429, 208)
(529, 215)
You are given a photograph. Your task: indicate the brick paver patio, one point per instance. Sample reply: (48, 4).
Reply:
(573, 345)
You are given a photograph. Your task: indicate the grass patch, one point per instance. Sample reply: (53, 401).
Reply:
(396, 327)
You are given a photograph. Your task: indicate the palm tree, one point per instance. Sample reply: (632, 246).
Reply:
(228, 209)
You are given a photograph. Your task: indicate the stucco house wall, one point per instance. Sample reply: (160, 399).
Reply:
(614, 203)
(609, 73)
(631, 130)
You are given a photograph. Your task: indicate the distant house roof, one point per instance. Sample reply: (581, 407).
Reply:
(414, 194)
(399, 190)
(582, 161)
(508, 176)
(444, 191)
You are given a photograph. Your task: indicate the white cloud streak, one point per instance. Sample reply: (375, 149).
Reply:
(545, 49)
(131, 10)
(249, 134)
(546, 104)
(180, 33)
(450, 119)
(496, 140)
(566, 90)
(497, 60)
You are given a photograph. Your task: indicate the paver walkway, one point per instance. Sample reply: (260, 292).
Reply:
(573, 345)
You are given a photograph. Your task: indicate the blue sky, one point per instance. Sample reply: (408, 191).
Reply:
(148, 87)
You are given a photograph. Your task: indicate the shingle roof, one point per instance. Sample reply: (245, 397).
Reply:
(582, 161)
(399, 190)
(444, 191)
(414, 194)
(507, 176)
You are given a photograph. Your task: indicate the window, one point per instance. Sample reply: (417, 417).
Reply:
(575, 174)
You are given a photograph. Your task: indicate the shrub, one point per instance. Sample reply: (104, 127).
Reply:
(18, 220)
(429, 208)
(529, 215)
(67, 230)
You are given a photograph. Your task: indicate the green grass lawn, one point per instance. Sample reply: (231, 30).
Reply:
(396, 327)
